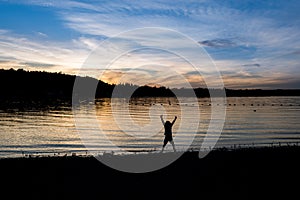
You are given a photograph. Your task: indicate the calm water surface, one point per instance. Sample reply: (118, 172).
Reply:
(258, 120)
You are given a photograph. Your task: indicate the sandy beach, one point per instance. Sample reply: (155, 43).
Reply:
(247, 172)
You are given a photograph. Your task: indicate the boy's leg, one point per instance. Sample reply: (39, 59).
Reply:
(172, 142)
(165, 143)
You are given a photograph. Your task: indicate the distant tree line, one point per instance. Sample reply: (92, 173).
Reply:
(44, 86)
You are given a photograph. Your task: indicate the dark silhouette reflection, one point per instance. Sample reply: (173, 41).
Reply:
(168, 132)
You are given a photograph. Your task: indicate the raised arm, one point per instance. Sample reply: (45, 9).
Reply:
(174, 120)
(162, 120)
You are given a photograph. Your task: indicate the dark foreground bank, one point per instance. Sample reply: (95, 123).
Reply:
(240, 173)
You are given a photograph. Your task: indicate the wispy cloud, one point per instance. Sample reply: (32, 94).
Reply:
(21, 50)
(37, 64)
(42, 34)
(251, 65)
(218, 43)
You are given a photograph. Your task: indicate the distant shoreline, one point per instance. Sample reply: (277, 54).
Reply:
(21, 85)
(286, 151)
(83, 154)
(24, 90)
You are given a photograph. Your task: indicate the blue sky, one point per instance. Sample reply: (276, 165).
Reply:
(254, 44)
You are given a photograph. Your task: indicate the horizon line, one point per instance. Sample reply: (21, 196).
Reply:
(146, 85)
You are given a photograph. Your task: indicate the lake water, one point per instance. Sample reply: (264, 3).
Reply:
(249, 121)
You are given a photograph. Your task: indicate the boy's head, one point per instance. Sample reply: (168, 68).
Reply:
(168, 123)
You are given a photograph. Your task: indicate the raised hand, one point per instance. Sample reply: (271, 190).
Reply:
(162, 120)
(174, 120)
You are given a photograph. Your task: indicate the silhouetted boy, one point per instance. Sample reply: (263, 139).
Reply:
(168, 132)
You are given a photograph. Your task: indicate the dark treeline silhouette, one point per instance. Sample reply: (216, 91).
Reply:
(20, 85)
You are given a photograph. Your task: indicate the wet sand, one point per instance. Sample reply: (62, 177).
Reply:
(242, 173)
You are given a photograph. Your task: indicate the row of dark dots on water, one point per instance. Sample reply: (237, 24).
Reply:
(203, 104)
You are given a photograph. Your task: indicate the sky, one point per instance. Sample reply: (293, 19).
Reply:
(253, 43)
